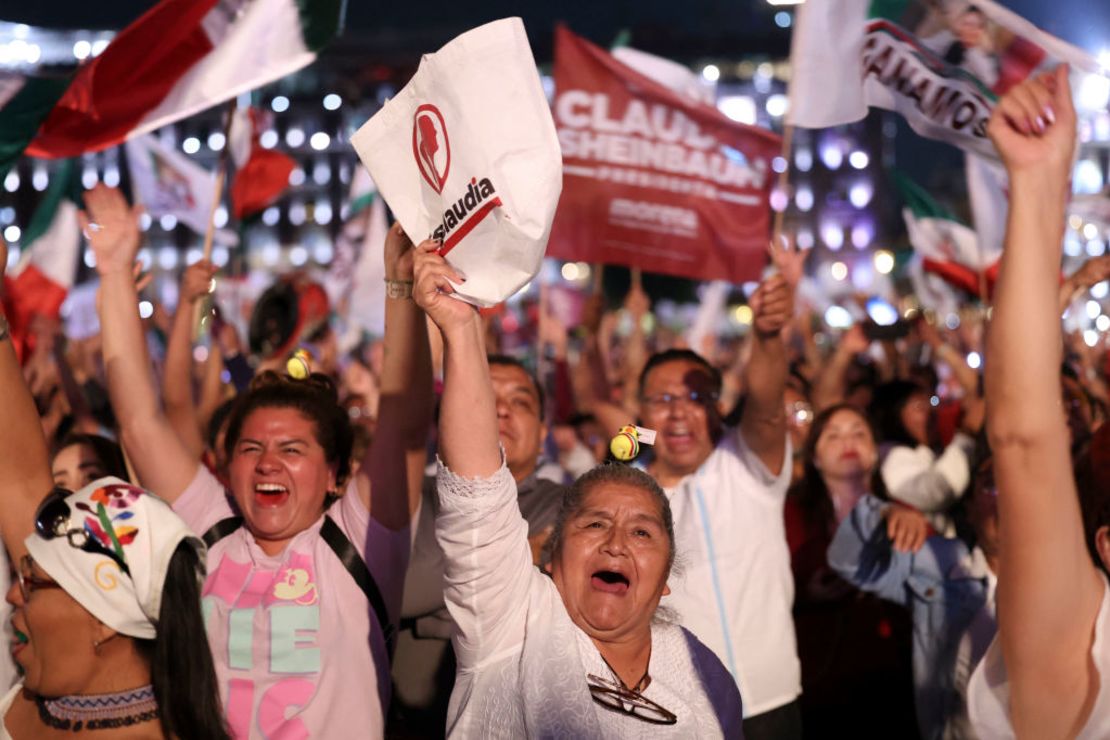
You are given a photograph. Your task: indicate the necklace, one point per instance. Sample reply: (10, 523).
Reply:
(99, 711)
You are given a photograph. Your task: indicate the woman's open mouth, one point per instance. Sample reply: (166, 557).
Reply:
(270, 494)
(609, 581)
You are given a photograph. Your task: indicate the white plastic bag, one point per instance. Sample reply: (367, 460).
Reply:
(467, 151)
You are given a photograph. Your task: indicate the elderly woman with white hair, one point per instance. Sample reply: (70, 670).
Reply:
(577, 650)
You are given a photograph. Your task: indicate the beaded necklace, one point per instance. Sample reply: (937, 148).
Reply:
(99, 711)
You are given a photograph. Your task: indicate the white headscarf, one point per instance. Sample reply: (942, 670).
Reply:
(139, 528)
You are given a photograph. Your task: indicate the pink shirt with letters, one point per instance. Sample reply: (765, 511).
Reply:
(297, 649)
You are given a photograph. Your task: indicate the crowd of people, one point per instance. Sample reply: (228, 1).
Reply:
(428, 536)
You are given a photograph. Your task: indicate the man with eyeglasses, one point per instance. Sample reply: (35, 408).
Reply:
(727, 488)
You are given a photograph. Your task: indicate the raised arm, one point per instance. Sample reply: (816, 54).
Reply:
(831, 385)
(177, 375)
(1048, 592)
(24, 461)
(160, 460)
(763, 422)
(468, 439)
(395, 461)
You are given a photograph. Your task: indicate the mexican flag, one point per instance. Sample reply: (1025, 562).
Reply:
(946, 246)
(261, 175)
(941, 66)
(355, 281)
(48, 261)
(177, 59)
(25, 100)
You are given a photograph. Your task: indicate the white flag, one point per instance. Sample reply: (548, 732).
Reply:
(167, 182)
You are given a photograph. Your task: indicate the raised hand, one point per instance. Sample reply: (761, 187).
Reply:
(196, 282)
(432, 289)
(788, 259)
(772, 305)
(854, 341)
(112, 228)
(1034, 126)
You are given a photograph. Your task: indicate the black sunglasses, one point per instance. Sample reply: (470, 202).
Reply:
(53, 520)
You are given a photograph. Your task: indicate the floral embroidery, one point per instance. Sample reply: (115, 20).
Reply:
(116, 496)
(104, 529)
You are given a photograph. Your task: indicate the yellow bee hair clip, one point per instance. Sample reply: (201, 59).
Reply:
(625, 445)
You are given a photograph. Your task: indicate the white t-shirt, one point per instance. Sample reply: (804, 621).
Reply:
(988, 696)
(297, 650)
(736, 591)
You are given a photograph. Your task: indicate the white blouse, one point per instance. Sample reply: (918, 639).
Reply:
(522, 662)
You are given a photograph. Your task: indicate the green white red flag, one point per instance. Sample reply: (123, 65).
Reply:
(941, 66)
(261, 175)
(355, 280)
(47, 265)
(177, 59)
(946, 246)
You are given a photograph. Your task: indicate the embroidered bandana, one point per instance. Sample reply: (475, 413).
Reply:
(109, 546)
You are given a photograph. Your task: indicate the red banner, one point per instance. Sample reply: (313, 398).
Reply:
(652, 179)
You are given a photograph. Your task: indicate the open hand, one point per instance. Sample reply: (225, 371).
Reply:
(788, 259)
(112, 228)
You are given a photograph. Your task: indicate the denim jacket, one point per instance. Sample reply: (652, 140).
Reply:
(940, 585)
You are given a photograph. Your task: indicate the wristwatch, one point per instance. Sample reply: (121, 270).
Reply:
(398, 288)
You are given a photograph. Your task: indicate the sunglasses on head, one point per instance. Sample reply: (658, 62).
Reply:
(52, 520)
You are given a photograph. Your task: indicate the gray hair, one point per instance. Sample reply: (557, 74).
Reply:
(602, 474)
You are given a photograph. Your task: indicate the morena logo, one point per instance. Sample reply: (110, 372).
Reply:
(430, 145)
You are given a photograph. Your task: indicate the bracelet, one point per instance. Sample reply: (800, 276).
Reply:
(398, 288)
(5, 328)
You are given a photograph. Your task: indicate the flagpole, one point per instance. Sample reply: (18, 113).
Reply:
(204, 306)
(784, 178)
(221, 174)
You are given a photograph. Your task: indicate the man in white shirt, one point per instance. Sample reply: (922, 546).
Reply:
(727, 488)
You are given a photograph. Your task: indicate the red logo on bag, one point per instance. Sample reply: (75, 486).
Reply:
(430, 145)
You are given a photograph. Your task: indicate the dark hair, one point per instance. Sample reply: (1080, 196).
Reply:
(217, 421)
(811, 493)
(509, 361)
(610, 473)
(316, 398)
(1092, 482)
(680, 355)
(886, 407)
(181, 668)
(108, 453)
